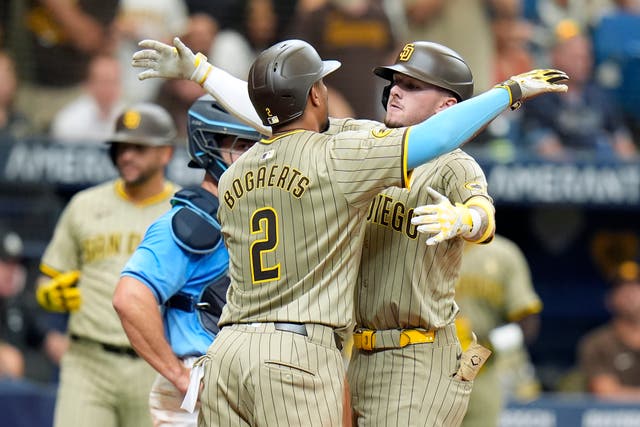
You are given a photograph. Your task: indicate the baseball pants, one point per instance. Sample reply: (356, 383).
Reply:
(256, 375)
(165, 400)
(410, 386)
(102, 389)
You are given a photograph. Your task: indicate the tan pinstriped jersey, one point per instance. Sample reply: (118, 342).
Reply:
(97, 232)
(292, 210)
(403, 283)
(495, 286)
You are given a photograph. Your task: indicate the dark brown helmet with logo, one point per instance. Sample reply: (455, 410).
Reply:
(143, 124)
(431, 63)
(281, 77)
(146, 124)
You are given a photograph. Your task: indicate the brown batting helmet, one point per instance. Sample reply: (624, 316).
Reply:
(145, 124)
(431, 63)
(281, 77)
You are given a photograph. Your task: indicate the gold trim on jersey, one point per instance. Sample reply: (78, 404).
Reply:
(166, 192)
(406, 174)
(522, 313)
(275, 138)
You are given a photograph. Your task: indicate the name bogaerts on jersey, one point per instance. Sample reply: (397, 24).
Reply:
(284, 177)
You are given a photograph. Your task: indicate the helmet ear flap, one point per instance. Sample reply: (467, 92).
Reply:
(385, 95)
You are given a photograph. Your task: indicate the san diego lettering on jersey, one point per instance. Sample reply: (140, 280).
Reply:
(386, 211)
(284, 177)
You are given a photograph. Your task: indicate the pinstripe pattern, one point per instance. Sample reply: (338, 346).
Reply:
(102, 389)
(403, 283)
(411, 386)
(292, 213)
(97, 233)
(317, 248)
(272, 378)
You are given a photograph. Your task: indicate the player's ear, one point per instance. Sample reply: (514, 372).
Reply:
(446, 102)
(315, 93)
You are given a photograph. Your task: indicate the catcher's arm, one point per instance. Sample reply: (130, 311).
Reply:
(59, 293)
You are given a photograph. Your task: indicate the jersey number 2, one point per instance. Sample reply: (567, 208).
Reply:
(264, 222)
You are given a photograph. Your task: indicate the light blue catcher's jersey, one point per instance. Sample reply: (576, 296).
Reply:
(167, 269)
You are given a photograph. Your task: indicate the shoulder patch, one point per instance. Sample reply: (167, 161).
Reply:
(380, 132)
(475, 186)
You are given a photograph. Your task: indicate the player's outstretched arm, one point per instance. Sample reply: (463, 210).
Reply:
(456, 125)
(160, 60)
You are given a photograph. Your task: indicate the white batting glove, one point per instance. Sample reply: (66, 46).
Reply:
(443, 219)
(533, 83)
(171, 62)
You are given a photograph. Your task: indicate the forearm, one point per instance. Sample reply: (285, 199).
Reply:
(232, 93)
(449, 129)
(138, 310)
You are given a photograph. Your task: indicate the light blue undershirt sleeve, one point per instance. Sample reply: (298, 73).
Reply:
(452, 127)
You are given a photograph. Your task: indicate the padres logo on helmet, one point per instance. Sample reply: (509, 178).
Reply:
(406, 52)
(431, 63)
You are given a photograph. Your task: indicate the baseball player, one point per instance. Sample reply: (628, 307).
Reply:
(103, 382)
(312, 298)
(494, 289)
(181, 265)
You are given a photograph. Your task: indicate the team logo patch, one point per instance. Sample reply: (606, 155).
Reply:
(406, 52)
(266, 155)
(474, 186)
(380, 132)
(131, 119)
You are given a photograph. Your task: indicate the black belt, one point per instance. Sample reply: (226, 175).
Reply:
(116, 349)
(301, 329)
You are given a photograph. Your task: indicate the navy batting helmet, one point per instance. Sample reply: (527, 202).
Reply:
(430, 63)
(281, 77)
(208, 124)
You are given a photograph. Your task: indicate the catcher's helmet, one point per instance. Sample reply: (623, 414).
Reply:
(208, 123)
(281, 77)
(431, 63)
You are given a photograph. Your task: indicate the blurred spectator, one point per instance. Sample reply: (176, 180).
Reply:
(500, 305)
(145, 19)
(90, 117)
(617, 54)
(12, 282)
(260, 24)
(609, 356)
(13, 123)
(176, 96)
(225, 12)
(28, 347)
(441, 21)
(63, 37)
(584, 123)
(545, 15)
(358, 34)
(512, 36)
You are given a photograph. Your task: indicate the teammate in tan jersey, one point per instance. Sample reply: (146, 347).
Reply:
(498, 302)
(299, 286)
(103, 382)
